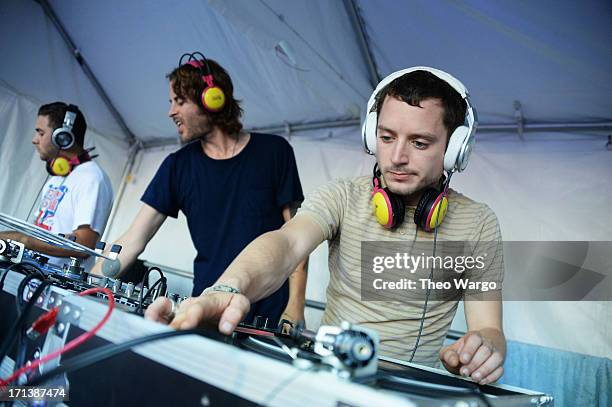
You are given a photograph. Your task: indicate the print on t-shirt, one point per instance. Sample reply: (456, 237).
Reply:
(49, 205)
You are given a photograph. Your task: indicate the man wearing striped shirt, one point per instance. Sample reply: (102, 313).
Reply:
(417, 115)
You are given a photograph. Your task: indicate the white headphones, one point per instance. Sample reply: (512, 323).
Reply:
(461, 141)
(63, 137)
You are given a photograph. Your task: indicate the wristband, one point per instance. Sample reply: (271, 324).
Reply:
(221, 288)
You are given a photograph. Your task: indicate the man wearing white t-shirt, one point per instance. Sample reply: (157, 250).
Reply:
(77, 198)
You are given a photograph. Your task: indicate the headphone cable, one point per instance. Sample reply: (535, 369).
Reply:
(444, 195)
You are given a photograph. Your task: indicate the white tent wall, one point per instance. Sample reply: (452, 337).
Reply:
(172, 244)
(547, 187)
(23, 172)
(40, 66)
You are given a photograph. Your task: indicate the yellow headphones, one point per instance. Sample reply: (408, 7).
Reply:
(63, 166)
(390, 211)
(212, 97)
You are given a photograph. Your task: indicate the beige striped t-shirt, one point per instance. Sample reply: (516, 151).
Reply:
(343, 211)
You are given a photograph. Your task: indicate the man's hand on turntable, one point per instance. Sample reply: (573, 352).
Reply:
(258, 271)
(478, 354)
(225, 310)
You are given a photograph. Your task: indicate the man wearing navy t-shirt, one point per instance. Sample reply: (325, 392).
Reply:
(232, 186)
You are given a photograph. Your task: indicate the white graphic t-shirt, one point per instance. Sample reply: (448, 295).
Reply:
(85, 197)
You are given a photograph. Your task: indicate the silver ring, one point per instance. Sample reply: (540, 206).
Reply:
(173, 310)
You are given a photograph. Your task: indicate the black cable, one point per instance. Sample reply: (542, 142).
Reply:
(22, 340)
(142, 299)
(22, 347)
(416, 344)
(16, 265)
(473, 389)
(154, 268)
(21, 288)
(97, 355)
(8, 342)
(145, 283)
(444, 194)
(161, 282)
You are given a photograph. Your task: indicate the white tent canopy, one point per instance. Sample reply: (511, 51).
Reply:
(310, 64)
(301, 61)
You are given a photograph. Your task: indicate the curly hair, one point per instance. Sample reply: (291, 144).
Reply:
(187, 83)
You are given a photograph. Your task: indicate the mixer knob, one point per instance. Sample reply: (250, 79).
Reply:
(117, 287)
(129, 290)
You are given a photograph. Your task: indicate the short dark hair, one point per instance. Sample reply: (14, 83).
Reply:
(416, 86)
(56, 112)
(187, 83)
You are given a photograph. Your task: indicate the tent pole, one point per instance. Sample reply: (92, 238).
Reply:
(482, 128)
(127, 173)
(357, 23)
(564, 127)
(86, 69)
(288, 128)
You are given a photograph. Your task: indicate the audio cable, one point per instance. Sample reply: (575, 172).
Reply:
(70, 345)
(444, 195)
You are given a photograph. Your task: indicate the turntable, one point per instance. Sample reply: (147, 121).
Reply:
(102, 352)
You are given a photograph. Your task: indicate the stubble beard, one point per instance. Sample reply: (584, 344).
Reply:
(198, 132)
(408, 193)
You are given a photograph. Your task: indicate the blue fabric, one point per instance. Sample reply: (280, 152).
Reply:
(573, 379)
(228, 203)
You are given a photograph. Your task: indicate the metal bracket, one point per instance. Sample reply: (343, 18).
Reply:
(69, 313)
(288, 130)
(520, 120)
(54, 300)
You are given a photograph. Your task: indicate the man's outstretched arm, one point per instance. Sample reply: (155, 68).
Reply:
(297, 285)
(84, 236)
(258, 271)
(146, 223)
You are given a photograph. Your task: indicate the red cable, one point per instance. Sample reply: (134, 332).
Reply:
(73, 343)
(43, 324)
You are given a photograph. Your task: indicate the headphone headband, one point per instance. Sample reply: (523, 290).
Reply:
(197, 60)
(212, 98)
(462, 139)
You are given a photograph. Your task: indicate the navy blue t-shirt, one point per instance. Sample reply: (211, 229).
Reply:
(228, 203)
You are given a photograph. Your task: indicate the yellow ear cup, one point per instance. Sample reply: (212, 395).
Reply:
(380, 209)
(438, 212)
(214, 98)
(61, 166)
